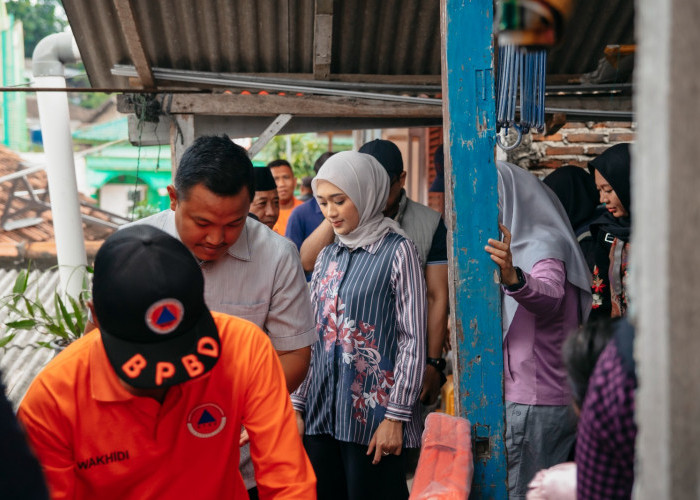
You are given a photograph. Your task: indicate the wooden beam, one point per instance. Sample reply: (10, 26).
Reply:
(271, 131)
(181, 136)
(151, 134)
(472, 215)
(273, 105)
(323, 38)
(132, 36)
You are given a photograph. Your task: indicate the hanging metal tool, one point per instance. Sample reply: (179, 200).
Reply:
(526, 29)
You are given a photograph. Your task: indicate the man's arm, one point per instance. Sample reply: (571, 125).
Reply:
(294, 365)
(438, 305)
(322, 236)
(38, 414)
(290, 322)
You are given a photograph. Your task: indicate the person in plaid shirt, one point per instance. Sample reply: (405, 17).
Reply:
(606, 429)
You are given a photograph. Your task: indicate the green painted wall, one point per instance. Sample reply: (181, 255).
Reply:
(13, 108)
(126, 164)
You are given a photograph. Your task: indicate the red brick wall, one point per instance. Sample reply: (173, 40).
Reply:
(576, 143)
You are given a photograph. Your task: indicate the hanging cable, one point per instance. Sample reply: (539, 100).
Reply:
(526, 30)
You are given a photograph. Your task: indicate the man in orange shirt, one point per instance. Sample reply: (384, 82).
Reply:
(151, 404)
(286, 183)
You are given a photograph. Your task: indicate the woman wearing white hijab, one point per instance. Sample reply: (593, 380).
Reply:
(546, 285)
(358, 404)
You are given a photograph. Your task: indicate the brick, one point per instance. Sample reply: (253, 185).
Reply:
(38, 250)
(8, 250)
(574, 125)
(564, 150)
(551, 138)
(585, 137)
(618, 124)
(596, 150)
(550, 164)
(622, 136)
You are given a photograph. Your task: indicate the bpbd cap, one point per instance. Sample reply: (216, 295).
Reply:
(148, 293)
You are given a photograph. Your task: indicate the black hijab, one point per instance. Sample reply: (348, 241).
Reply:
(614, 166)
(576, 190)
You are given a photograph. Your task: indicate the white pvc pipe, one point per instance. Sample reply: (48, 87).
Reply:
(63, 189)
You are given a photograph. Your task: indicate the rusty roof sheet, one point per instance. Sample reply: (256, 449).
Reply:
(371, 39)
(10, 162)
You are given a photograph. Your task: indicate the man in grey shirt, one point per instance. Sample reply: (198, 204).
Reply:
(249, 271)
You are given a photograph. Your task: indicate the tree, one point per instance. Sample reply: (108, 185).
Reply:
(305, 149)
(40, 18)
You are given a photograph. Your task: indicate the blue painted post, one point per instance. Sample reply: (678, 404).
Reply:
(472, 215)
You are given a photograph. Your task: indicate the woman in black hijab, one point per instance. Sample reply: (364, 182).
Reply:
(611, 231)
(577, 192)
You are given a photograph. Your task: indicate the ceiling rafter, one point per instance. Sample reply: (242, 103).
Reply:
(133, 39)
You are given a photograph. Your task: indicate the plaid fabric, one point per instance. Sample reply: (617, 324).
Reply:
(607, 431)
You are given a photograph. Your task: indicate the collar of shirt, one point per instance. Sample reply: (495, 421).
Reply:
(104, 383)
(371, 248)
(403, 203)
(241, 249)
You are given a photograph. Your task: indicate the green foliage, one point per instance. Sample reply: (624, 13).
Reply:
(65, 324)
(92, 100)
(40, 18)
(88, 100)
(305, 149)
(143, 209)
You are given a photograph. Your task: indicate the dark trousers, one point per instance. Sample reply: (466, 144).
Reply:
(344, 471)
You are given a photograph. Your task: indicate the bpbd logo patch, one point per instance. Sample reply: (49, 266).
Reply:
(165, 316)
(206, 420)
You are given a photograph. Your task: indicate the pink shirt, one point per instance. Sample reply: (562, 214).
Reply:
(546, 315)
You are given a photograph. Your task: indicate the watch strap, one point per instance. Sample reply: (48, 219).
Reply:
(437, 363)
(521, 281)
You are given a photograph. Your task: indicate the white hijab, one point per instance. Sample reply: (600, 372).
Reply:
(540, 230)
(363, 179)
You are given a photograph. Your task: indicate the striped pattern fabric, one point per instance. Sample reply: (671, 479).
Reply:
(368, 362)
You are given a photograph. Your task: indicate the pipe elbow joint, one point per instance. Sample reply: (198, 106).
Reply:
(52, 53)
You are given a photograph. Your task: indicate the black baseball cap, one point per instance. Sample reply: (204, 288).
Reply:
(387, 153)
(148, 294)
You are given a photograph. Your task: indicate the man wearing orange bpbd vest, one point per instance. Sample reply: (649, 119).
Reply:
(151, 404)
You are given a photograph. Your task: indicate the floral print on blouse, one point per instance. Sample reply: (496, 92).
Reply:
(370, 307)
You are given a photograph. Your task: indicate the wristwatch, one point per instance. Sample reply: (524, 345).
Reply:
(521, 281)
(437, 363)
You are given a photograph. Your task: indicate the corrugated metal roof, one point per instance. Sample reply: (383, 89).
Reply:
(594, 24)
(21, 360)
(370, 38)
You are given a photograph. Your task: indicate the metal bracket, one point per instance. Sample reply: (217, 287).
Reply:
(267, 135)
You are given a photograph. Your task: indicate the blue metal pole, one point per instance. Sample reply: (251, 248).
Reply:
(472, 216)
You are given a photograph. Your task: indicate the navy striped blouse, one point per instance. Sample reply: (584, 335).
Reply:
(368, 362)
